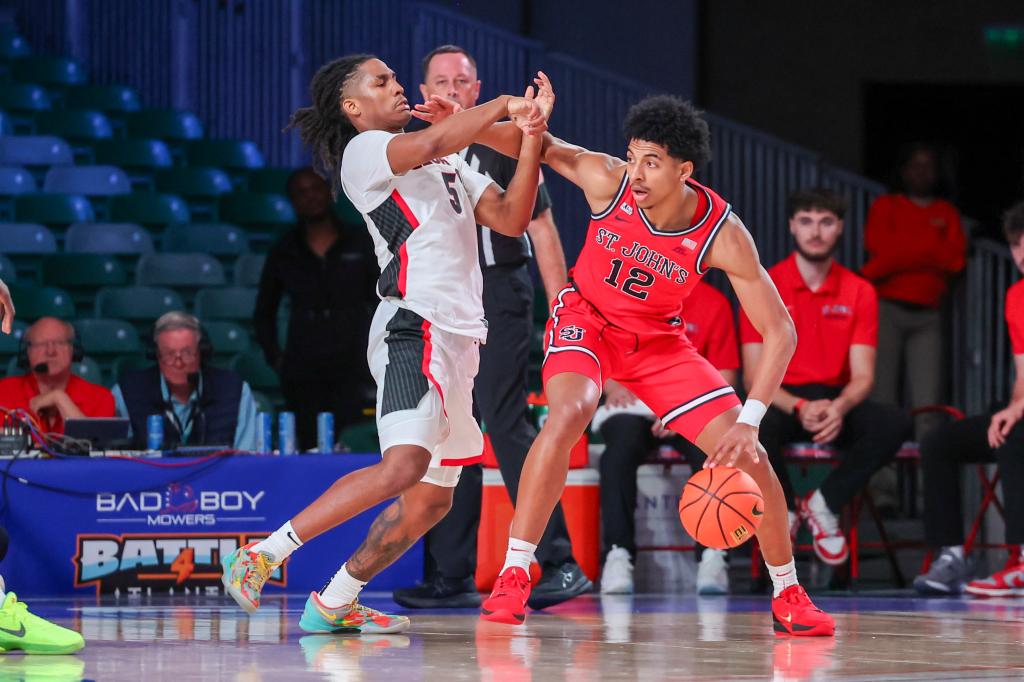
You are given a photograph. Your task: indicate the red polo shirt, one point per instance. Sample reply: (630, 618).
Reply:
(711, 327)
(841, 313)
(92, 399)
(913, 251)
(1015, 316)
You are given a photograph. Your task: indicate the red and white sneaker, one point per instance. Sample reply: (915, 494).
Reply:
(794, 614)
(794, 525)
(829, 541)
(507, 603)
(1008, 582)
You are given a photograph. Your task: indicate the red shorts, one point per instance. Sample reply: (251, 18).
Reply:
(663, 370)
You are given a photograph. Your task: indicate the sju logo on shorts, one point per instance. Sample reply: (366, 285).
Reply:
(571, 333)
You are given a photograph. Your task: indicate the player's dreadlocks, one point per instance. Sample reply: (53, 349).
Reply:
(324, 127)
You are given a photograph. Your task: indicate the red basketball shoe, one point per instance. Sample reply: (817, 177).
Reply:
(1008, 582)
(507, 603)
(794, 614)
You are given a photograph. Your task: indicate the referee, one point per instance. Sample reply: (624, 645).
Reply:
(500, 389)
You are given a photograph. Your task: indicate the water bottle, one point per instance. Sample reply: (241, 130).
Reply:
(155, 432)
(286, 433)
(325, 432)
(264, 432)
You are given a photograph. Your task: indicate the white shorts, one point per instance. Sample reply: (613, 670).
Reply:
(424, 381)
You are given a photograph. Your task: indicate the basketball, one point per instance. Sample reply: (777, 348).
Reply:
(721, 507)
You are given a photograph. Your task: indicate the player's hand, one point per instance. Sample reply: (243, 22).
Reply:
(617, 395)
(828, 428)
(1002, 422)
(659, 431)
(436, 109)
(6, 308)
(545, 94)
(738, 445)
(526, 113)
(812, 413)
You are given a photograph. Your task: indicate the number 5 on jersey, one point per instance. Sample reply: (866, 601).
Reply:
(453, 191)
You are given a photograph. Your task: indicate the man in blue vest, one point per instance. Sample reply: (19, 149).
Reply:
(200, 404)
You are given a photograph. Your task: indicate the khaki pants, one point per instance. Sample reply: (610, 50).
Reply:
(909, 360)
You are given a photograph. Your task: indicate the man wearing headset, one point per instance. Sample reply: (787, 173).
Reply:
(48, 389)
(200, 404)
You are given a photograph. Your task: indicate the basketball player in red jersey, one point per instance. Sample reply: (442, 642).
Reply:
(654, 232)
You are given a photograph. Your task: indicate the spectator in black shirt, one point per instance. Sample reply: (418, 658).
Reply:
(329, 273)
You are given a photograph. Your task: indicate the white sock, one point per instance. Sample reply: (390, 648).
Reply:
(520, 553)
(818, 504)
(782, 576)
(281, 543)
(343, 589)
(955, 550)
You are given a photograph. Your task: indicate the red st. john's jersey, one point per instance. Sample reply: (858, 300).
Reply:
(638, 277)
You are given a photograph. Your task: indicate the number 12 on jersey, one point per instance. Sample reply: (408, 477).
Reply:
(635, 285)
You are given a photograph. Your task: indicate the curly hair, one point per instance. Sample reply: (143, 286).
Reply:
(815, 198)
(672, 123)
(324, 127)
(1013, 222)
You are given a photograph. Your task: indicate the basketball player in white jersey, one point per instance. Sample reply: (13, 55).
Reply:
(421, 204)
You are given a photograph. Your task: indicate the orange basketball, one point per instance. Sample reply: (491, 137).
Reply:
(721, 507)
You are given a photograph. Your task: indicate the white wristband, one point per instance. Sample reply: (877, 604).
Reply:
(752, 413)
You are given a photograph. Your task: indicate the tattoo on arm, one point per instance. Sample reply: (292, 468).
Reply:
(388, 539)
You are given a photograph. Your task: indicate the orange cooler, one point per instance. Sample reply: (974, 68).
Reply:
(582, 504)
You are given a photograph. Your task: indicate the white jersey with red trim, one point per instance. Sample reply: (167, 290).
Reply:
(423, 229)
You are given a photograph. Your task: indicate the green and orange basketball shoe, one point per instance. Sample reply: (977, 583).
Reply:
(354, 618)
(245, 574)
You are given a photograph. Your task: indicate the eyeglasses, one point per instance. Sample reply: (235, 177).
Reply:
(185, 355)
(48, 344)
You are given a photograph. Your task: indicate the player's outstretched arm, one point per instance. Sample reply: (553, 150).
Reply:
(457, 131)
(509, 212)
(734, 252)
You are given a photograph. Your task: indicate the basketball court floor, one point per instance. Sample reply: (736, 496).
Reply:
(190, 637)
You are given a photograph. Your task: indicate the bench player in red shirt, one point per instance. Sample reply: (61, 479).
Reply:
(654, 232)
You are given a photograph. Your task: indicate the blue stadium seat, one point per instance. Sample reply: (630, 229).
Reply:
(254, 209)
(127, 363)
(7, 270)
(10, 344)
(82, 274)
(6, 124)
(83, 124)
(138, 156)
(25, 97)
(199, 185)
(151, 209)
(16, 180)
(13, 46)
(13, 180)
(227, 338)
(107, 337)
(52, 209)
(165, 124)
(269, 180)
(91, 181)
(112, 238)
(181, 270)
(33, 302)
(248, 269)
(226, 303)
(235, 155)
(137, 304)
(216, 239)
(254, 369)
(106, 98)
(28, 238)
(34, 150)
(48, 71)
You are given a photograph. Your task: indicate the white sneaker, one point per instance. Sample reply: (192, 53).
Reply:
(617, 574)
(794, 525)
(829, 541)
(713, 573)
